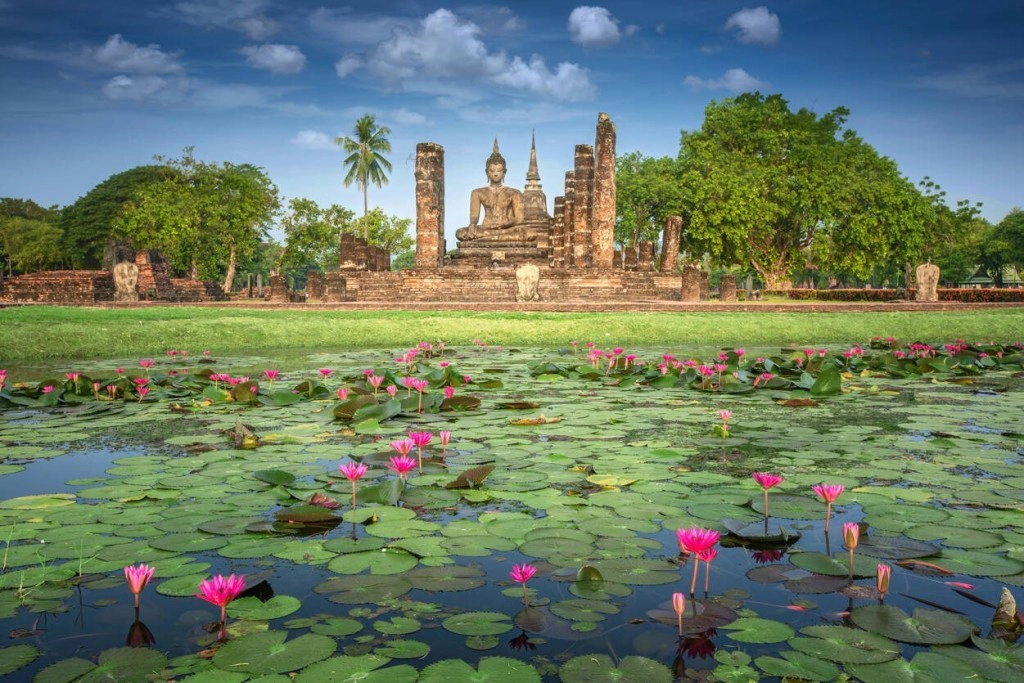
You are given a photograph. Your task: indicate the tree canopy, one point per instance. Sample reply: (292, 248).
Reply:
(365, 162)
(29, 236)
(771, 187)
(202, 216)
(647, 191)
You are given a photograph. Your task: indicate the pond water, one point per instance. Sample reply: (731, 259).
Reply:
(590, 487)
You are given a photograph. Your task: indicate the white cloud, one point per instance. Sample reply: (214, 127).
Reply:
(593, 27)
(314, 139)
(756, 25)
(492, 19)
(734, 80)
(997, 80)
(347, 65)
(278, 59)
(222, 96)
(141, 88)
(444, 47)
(710, 49)
(238, 15)
(406, 117)
(117, 54)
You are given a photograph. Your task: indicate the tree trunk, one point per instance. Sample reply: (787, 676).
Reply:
(366, 214)
(229, 277)
(193, 272)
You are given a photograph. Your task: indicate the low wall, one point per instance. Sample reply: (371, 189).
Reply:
(60, 287)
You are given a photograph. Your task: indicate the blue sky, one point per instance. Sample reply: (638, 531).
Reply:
(95, 87)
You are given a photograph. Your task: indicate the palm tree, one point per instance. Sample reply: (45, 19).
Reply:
(365, 161)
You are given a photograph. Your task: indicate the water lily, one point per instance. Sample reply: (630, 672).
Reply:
(882, 579)
(271, 375)
(421, 439)
(403, 446)
(521, 573)
(449, 391)
(767, 481)
(392, 390)
(707, 556)
(851, 534)
(401, 465)
(725, 416)
(679, 605)
(47, 389)
(696, 540)
(142, 391)
(375, 382)
(828, 493)
(342, 393)
(220, 591)
(353, 471)
(138, 577)
(445, 436)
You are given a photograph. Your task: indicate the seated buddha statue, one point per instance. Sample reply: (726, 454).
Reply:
(502, 206)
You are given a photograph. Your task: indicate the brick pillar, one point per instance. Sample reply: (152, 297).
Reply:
(278, 290)
(602, 236)
(314, 290)
(727, 290)
(630, 261)
(645, 258)
(583, 207)
(558, 234)
(347, 256)
(334, 288)
(690, 290)
(705, 285)
(430, 246)
(570, 219)
(670, 244)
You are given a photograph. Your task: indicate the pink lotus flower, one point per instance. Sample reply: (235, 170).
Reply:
(725, 415)
(172, 353)
(449, 391)
(375, 381)
(679, 605)
(140, 381)
(343, 393)
(146, 364)
(740, 353)
(142, 391)
(403, 446)
(851, 534)
(119, 371)
(325, 373)
(353, 471)
(828, 493)
(421, 439)
(73, 376)
(221, 591)
(521, 573)
(47, 389)
(618, 350)
(137, 576)
(707, 556)
(767, 481)
(445, 436)
(696, 540)
(401, 465)
(392, 390)
(882, 579)
(271, 375)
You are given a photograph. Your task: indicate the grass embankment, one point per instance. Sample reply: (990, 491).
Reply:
(36, 333)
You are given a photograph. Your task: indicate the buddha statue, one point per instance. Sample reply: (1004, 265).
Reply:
(502, 206)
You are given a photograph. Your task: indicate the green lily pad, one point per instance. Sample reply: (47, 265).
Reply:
(397, 626)
(798, 666)
(845, 645)
(638, 572)
(356, 590)
(14, 657)
(489, 669)
(757, 630)
(597, 668)
(64, 671)
(478, 623)
(125, 664)
(956, 537)
(925, 667)
(579, 609)
(978, 563)
(383, 561)
(269, 653)
(364, 668)
(996, 660)
(835, 565)
(337, 627)
(894, 547)
(788, 506)
(403, 649)
(925, 627)
(254, 609)
(453, 578)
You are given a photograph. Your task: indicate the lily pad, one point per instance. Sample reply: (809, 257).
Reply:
(845, 645)
(894, 547)
(798, 666)
(255, 609)
(925, 667)
(14, 657)
(924, 627)
(489, 670)
(125, 664)
(596, 668)
(757, 630)
(269, 653)
(978, 563)
(478, 623)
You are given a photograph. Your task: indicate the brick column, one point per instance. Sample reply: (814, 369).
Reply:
(670, 244)
(690, 290)
(602, 236)
(348, 256)
(430, 246)
(645, 257)
(705, 285)
(581, 221)
(278, 290)
(630, 260)
(570, 222)
(314, 290)
(727, 290)
(558, 234)
(334, 288)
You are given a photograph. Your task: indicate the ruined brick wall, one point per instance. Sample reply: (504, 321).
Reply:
(603, 222)
(154, 276)
(195, 291)
(60, 287)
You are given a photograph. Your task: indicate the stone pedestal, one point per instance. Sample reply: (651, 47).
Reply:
(690, 289)
(314, 289)
(670, 244)
(430, 246)
(602, 234)
(927, 282)
(334, 290)
(645, 256)
(278, 290)
(727, 290)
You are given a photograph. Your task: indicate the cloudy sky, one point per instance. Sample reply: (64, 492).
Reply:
(94, 87)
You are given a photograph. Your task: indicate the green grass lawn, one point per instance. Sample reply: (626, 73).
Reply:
(35, 333)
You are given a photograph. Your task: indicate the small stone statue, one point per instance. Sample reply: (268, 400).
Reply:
(503, 206)
(527, 280)
(927, 282)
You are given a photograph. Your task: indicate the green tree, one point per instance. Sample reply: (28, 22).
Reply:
(365, 161)
(312, 235)
(765, 184)
(647, 191)
(29, 236)
(388, 232)
(88, 223)
(1002, 246)
(202, 216)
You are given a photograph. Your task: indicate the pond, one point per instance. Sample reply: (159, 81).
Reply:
(580, 463)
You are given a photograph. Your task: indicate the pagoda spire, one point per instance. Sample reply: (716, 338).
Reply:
(532, 175)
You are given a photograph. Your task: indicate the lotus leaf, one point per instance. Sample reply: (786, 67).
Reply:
(757, 630)
(268, 653)
(925, 667)
(798, 666)
(600, 667)
(845, 645)
(478, 623)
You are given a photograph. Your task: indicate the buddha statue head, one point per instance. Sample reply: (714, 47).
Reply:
(496, 167)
